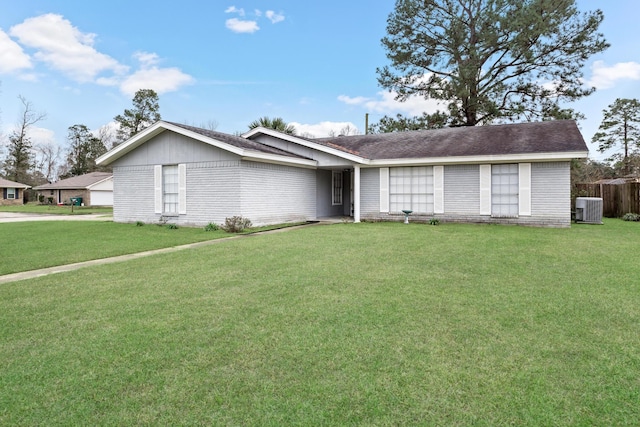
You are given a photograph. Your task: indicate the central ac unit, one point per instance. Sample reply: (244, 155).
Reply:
(589, 210)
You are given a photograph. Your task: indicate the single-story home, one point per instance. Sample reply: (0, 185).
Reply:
(507, 174)
(12, 192)
(95, 189)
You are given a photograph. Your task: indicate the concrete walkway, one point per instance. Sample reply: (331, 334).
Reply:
(78, 265)
(21, 217)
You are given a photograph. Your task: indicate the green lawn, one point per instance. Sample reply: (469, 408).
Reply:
(349, 324)
(40, 244)
(57, 210)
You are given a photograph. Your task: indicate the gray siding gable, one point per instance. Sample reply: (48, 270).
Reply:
(324, 160)
(172, 148)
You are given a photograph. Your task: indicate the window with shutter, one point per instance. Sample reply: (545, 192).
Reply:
(170, 189)
(411, 188)
(504, 191)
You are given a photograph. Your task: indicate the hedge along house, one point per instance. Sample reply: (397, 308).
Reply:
(12, 192)
(514, 174)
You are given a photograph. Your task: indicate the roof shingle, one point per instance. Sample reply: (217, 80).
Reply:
(237, 141)
(76, 182)
(521, 138)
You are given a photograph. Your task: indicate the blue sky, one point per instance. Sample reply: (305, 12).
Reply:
(310, 62)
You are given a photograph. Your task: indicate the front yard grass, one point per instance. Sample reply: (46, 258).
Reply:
(40, 244)
(349, 324)
(57, 210)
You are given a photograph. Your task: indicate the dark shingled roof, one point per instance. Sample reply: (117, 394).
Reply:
(237, 141)
(521, 138)
(76, 182)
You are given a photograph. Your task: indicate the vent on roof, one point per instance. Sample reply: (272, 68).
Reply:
(589, 210)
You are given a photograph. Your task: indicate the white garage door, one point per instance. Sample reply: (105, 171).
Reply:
(102, 198)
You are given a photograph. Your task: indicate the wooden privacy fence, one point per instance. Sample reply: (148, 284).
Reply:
(617, 199)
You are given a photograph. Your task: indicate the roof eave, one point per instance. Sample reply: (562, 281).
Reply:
(131, 144)
(279, 160)
(305, 143)
(156, 129)
(494, 158)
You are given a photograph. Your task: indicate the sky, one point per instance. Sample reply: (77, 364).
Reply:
(227, 63)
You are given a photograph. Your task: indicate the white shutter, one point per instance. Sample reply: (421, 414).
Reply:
(485, 189)
(524, 196)
(182, 189)
(384, 190)
(438, 189)
(157, 187)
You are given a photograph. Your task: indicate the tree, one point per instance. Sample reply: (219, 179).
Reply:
(46, 161)
(584, 171)
(276, 123)
(401, 123)
(108, 136)
(145, 112)
(491, 59)
(345, 131)
(84, 149)
(19, 160)
(620, 125)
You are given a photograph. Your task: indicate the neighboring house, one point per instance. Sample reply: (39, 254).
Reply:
(12, 192)
(95, 188)
(508, 174)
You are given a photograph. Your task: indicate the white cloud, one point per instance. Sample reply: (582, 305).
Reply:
(240, 26)
(274, 17)
(250, 26)
(65, 48)
(387, 104)
(605, 77)
(233, 9)
(146, 59)
(40, 135)
(322, 129)
(12, 57)
(149, 76)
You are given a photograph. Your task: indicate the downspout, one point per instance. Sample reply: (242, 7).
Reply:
(356, 193)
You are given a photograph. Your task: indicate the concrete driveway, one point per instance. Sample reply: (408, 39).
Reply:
(20, 217)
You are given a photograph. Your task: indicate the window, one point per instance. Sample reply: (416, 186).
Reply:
(504, 190)
(411, 188)
(170, 189)
(12, 193)
(336, 193)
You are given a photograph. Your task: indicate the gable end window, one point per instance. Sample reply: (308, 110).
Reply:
(170, 189)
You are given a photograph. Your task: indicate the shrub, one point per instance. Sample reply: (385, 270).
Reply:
(434, 221)
(236, 224)
(172, 226)
(631, 217)
(211, 227)
(139, 223)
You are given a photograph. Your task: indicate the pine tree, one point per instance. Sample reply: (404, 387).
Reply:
(491, 59)
(620, 126)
